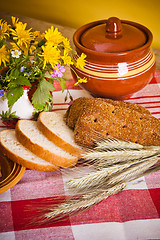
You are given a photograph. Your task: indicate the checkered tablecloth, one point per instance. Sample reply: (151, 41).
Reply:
(133, 213)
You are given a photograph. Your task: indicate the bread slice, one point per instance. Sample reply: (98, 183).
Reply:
(53, 126)
(14, 150)
(32, 138)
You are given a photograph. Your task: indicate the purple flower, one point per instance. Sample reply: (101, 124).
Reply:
(22, 69)
(27, 73)
(1, 93)
(58, 71)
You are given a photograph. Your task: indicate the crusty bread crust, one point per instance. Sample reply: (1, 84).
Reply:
(102, 118)
(75, 151)
(75, 110)
(24, 162)
(43, 153)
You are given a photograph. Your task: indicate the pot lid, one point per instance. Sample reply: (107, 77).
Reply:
(113, 36)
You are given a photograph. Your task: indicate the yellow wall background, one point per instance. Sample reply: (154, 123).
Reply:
(74, 13)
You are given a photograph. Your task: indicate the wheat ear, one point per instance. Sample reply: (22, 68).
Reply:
(82, 203)
(97, 177)
(111, 174)
(120, 155)
(132, 172)
(115, 143)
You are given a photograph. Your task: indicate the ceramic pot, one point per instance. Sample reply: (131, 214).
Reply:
(119, 60)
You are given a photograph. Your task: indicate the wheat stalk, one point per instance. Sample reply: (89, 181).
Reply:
(132, 171)
(84, 202)
(114, 154)
(115, 143)
(115, 173)
(100, 164)
(92, 179)
(117, 162)
(153, 168)
(95, 178)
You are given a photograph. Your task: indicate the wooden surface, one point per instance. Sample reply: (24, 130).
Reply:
(66, 31)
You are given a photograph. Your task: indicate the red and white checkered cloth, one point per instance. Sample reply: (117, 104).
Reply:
(133, 213)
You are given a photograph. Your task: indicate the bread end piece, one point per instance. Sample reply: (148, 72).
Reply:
(7, 138)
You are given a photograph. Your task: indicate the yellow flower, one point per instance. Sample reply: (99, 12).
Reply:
(4, 29)
(67, 45)
(53, 36)
(36, 34)
(4, 56)
(14, 46)
(43, 35)
(81, 61)
(22, 36)
(32, 49)
(51, 55)
(81, 80)
(14, 21)
(67, 59)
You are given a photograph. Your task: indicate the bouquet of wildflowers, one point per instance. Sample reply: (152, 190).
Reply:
(29, 58)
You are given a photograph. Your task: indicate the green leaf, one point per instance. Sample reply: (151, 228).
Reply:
(23, 81)
(15, 73)
(12, 85)
(47, 75)
(14, 94)
(8, 115)
(42, 94)
(62, 84)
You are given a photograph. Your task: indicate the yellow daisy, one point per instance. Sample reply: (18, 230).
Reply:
(67, 59)
(53, 36)
(67, 45)
(36, 34)
(22, 36)
(51, 55)
(14, 21)
(4, 56)
(4, 29)
(81, 61)
(81, 80)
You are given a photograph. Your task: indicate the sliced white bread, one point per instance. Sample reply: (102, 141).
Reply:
(14, 150)
(32, 138)
(53, 126)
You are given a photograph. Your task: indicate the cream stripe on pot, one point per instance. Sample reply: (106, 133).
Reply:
(114, 68)
(122, 70)
(107, 66)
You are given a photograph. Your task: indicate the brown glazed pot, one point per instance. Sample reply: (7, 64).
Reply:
(119, 59)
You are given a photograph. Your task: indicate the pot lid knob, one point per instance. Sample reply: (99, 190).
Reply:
(113, 36)
(113, 27)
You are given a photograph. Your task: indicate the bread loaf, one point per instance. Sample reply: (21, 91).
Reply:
(94, 118)
(76, 108)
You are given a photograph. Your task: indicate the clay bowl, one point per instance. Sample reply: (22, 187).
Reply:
(119, 60)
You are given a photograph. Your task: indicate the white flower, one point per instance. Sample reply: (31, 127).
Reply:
(16, 53)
